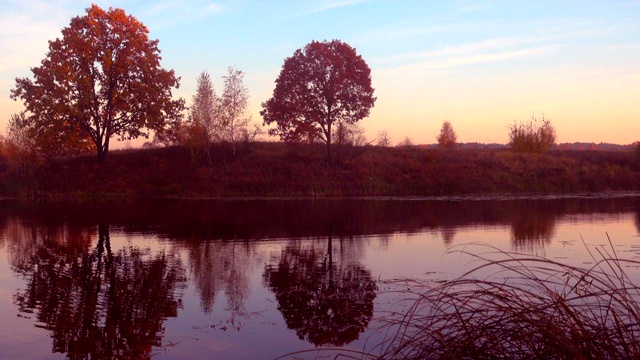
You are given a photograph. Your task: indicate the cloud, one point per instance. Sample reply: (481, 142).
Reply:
(480, 46)
(213, 8)
(622, 47)
(330, 5)
(26, 27)
(447, 64)
(164, 6)
(170, 13)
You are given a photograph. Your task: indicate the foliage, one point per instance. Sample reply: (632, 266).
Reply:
(320, 86)
(447, 138)
(533, 136)
(101, 79)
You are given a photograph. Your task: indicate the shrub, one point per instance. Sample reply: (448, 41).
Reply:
(534, 136)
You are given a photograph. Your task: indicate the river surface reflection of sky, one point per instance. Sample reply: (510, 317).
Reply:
(259, 279)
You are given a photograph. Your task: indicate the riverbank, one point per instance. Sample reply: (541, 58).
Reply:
(278, 170)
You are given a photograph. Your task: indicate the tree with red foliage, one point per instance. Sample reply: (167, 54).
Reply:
(321, 85)
(102, 78)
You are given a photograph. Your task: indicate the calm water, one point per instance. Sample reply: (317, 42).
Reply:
(257, 279)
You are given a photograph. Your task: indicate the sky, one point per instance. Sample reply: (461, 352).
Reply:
(480, 65)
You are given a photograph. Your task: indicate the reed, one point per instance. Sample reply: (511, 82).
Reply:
(516, 307)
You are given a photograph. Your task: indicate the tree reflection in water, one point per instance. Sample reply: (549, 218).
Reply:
(96, 302)
(326, 301)
(219, 265)
(533, 226)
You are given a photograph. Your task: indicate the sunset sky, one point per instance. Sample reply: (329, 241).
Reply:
(479, 64)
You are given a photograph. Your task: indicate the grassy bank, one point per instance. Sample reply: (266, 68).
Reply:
(275, 169)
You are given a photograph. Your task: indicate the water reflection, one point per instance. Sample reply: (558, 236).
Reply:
(323, 293)
(101, 300)
(533, 225)
(221, 266)
(97, 303)
(532, 222)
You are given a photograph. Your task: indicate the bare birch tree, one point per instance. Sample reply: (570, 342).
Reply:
(204, 115)
(235, 101)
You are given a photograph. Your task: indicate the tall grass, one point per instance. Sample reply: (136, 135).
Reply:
(526, 308)
(511, 306)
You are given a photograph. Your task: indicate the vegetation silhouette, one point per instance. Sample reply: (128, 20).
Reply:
(101, 79)
(96, 301)
(447, 138)
(278, 170)
(527, 307)
(321, 86)
(326, 300)
(535, 136)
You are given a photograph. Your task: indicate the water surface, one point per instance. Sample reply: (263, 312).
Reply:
(258, 278)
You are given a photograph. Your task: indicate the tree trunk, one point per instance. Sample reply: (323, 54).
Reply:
(329, 159)
(103, 152)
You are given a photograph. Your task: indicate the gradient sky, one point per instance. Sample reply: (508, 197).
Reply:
(479, 64)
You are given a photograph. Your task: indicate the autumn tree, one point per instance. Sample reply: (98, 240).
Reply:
(321, 85)
(447, 138)
(101, 79)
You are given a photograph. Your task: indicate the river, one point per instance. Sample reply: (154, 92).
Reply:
(253, 279)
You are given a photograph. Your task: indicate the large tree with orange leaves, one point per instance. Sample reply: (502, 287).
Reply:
(101, 79)
(321, 85)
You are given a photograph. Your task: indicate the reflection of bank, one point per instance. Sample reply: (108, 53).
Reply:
(96, 302)
(324, 294)
(532, 227)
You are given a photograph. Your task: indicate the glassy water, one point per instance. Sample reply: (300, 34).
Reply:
(259, 278)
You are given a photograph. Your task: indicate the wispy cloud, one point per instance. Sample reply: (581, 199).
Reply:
(473, 7)
(26, 27)
(169, 13)
(475, 47)
(622, 47)
(164, 6)
(448, 64)
(334, 4)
